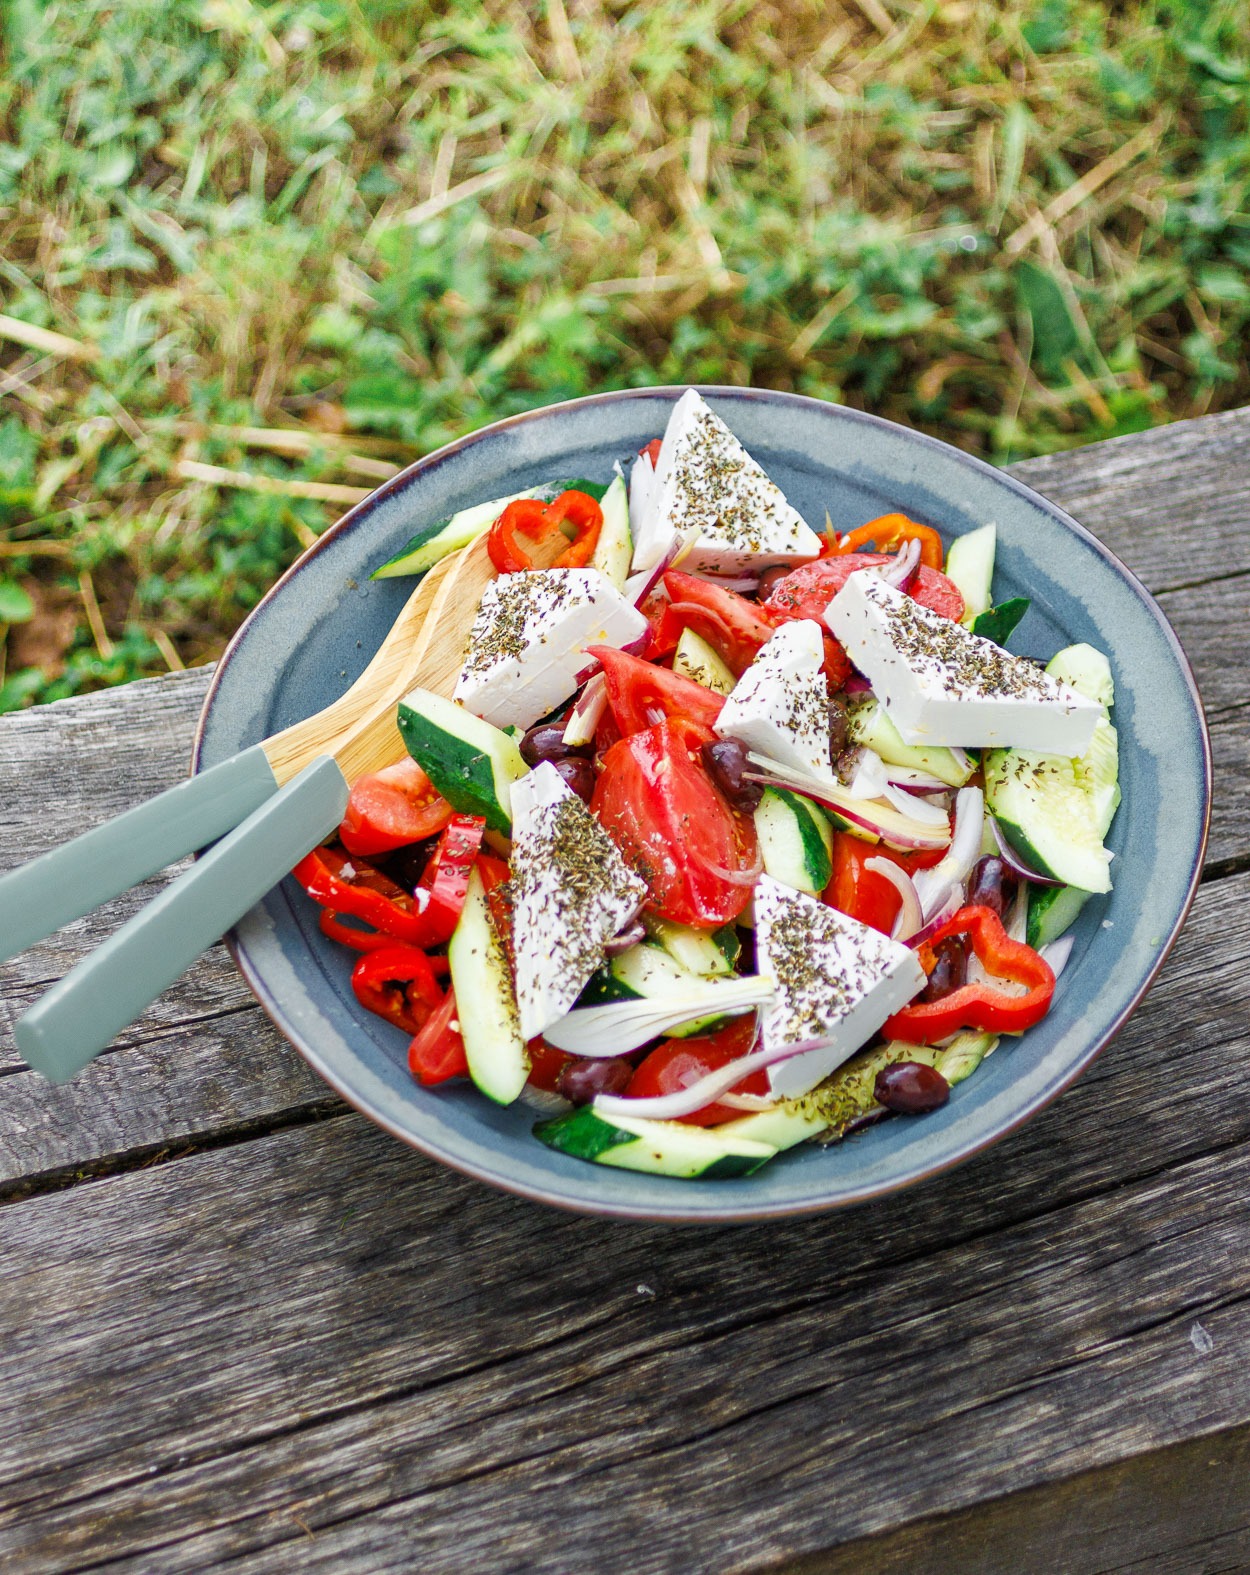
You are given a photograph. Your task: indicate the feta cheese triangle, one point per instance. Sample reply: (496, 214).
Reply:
(942, 684)
(780, 705)
(836, 982)
(528, 641)
(571, 893)
(705, 480)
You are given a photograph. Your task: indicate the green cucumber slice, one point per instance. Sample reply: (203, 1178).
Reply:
(472, 764)
(661, 1148)
(698, 951)
(485, 1001)
(1052, 910)
(615, 546)
(868, 724)
(796, 840)
(970, 564)
(695, 659)
(999, 623)
(436, 540)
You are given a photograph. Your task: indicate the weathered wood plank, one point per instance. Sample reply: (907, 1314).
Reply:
(420, 1373)
(1173, 503)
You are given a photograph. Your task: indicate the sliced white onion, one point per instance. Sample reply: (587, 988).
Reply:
(963, 759)
(899, 831)
(934, 885)
(910, 918)
(918, 781)
(918, 808)
(708, 1089)
(586, 715)
(621, 1026)
(1057, 953)
(1017, 925)
(945, 906)
(868, 780)
(752, 1102)
(643, 496)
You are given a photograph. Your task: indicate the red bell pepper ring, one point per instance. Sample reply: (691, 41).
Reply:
(540, 524)
(980, 1005)
(398, 983)
(353, 887)
(437, 1052)
(446, 876)
(348, 935)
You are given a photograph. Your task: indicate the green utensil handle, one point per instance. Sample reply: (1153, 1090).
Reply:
(69, 1025)
(68, 881)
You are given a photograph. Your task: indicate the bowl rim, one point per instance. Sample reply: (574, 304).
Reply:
(728, 1213)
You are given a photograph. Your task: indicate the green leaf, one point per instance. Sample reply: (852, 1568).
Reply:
(15, 605)
(1056, 334)
(999, 623)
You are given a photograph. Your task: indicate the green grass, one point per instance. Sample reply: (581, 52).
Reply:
(377, 224)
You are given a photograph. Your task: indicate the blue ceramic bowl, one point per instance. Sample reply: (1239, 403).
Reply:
(316, 629)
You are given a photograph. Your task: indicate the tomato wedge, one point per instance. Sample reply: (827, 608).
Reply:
(734, 627)
(437, 1052)
(390, 809)
(672, 824)
(808, 590)
(863, 894)
(677, 1063)
(641, 694)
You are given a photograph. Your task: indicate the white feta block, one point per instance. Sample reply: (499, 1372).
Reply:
(780, 705)
(571, 893)
(942, 684)
(528, 642)
(836, 982)
(706, 481)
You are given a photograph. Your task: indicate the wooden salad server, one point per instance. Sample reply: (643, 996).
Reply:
(74, 1020)
(63, 884)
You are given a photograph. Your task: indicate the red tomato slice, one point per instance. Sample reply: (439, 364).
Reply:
(642, 694)
(862, 893)
(734, 627)
(546, 1064)
(673, 826)
(808, 590)
(391, 809)
(677, 1063)
(437, 1052)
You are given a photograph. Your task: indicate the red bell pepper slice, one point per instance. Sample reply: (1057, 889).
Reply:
(735, 628)
(437, 1052)
(980, 1005)
(398, 983)
(540, 524)
(347, 935)
(641, 694)
(351, 886)
(889, 531)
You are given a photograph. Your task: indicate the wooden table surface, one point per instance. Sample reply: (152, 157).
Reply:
(245, 1329)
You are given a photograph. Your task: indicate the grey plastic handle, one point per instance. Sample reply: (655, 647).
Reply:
(69, 881)
(69, 1025)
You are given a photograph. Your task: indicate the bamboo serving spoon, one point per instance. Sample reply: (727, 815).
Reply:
(70, 1024)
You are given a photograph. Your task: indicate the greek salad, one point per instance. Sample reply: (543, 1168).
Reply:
(734, 833)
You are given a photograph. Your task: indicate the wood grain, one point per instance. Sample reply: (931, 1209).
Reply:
(306, 1347)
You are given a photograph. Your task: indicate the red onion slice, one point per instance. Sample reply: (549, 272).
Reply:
(902, 571)
(946, 906)
(932, 885)
(1015, 863)
(634, 932)
(857, 684)
(1057, 953)
(912, 835)
(909, 917)
(639, 586)
(918, 808)
(586, 714)
(737, 877)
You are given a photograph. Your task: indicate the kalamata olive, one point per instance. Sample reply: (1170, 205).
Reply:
(544, 742)
(727, 764)
(950, 971)
(407, 865)
(837, 726)
(770, 577)
(911, 1088)
(987, 885)
(578, 772)
(580, 1081)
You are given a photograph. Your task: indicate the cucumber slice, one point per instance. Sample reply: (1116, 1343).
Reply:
(615, 546)
(472, 764)
(1055, 812)
(435, 541)
(649, 971)
(869, 725)
(694, 658)
(661, 1148)
(796, 840)
(486, 1002)
(970, 563)
(698, 951)
(999, 623)
(1052, 910)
